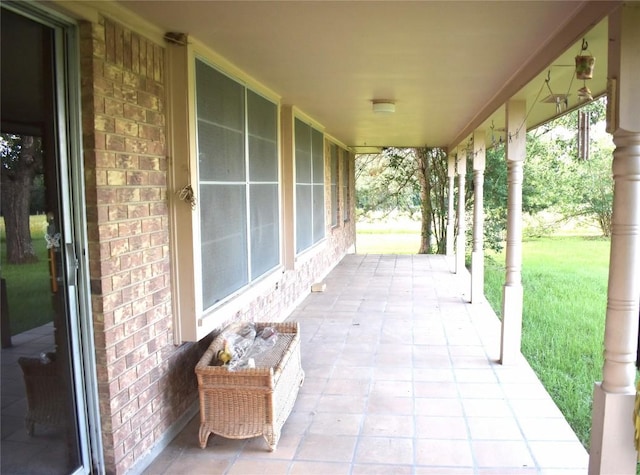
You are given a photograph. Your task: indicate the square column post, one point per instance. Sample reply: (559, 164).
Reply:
(461, 166)
(515, 147)
(477, 254)
(451, 173)
(612, 430)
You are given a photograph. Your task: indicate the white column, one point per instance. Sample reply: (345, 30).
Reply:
(451, 173)
(515, 147)
(461, 166)
(612, 430)
(477, 254)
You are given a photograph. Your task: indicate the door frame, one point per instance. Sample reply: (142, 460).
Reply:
(73, 209)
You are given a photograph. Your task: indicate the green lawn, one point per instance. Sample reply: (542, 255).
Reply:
(397, 237)
(565, 298)
(28, 285)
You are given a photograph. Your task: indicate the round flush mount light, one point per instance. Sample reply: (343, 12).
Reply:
(384, 106)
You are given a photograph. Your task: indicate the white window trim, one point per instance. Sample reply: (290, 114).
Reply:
(191, 321)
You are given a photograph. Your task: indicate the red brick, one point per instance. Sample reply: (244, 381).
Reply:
(125, 380)
(135, 53)
(108, 231)
(132, 145)
(126, 161)
(157, 178)
(149, 163)
(112, 301)
(157, 209)
(151, 132)
(137, 178)
(152, 255)
(128, 195)
(126, 127)
(136, 327)
(105, 159)
(155, 118)
(129, 228)
(105, 196)
(117, 212)
(139, 242)
(121, 280)
(138, 211)
(109, 39)
(133, 292)
(140, 306)
(116, 143)
(133, 112)
(115, 369)
(126, 58)
(151, 224)
(119, 40)
(142, 57)
(150, 194)
(159, 238)
(113, 107)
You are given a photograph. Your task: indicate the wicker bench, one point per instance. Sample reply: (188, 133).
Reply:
(250, 402)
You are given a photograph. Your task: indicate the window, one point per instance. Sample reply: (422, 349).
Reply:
(238, 173)
(309, 162)
(334, 185)
(346, 189)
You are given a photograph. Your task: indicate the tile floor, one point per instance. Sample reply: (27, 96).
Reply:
(20, 453)
(401, 378)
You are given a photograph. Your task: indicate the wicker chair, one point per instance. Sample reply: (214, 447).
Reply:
(45, 392)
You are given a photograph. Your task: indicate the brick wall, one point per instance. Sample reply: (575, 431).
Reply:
(145, 382)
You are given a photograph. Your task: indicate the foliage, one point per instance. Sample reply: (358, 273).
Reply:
(411, 181)
(555, 179)
(21, 161)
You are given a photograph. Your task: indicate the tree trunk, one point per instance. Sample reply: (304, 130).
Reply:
(425, 200)
(16, 198)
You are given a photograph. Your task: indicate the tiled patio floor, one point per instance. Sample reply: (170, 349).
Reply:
(401, 378)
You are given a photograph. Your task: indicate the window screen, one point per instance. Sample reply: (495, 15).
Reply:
(309, 159)
(346, 190)
(334, 184)
(238, 184)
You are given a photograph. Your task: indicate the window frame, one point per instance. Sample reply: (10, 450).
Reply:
(192, 320)
(334, 165)
(313, 184)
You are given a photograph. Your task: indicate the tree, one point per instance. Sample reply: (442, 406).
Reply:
(21, 160)
(410, 180)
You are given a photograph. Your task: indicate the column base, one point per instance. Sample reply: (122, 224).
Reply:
(511, 325)
(477, 276)
(612, 449)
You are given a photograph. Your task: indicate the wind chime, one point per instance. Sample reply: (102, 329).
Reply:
(584, 70)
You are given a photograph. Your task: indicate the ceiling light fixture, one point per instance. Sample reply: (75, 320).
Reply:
(384, 106)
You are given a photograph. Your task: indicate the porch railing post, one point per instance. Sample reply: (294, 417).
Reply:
(461, 165)
(451, 173)
(477, 254)
(612, 430)
(515, 147)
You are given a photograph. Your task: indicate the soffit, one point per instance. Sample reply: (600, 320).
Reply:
(447, 65)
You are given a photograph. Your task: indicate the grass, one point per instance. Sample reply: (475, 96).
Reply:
(565, 297)
(390, 237)
(28, 285)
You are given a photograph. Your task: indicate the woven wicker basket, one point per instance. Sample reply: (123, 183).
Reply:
(45, 393)
(250, 402)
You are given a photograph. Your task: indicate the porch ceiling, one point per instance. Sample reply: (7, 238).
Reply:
(449, 66)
